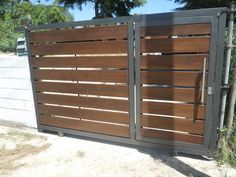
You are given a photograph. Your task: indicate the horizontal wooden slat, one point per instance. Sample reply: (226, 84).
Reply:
(171, 136)
(113, 117)
(177, 78)
(76, 75)
(175, 62)
(178, 45)
(100, 103)
(82, 62)
(177, 124)
(102, 128)
(107, 47)
(172, 94)
(87, 89)
(204, 28)
(78, 34)
(185, 110)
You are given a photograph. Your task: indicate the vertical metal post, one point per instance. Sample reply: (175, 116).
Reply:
(32, 77)
(137, 80)
(131, 78)
(227, 65)
(230, 116)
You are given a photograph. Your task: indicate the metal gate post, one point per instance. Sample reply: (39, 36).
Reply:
(32, 77)
(131, 78)
(137, 78)
(218, 79)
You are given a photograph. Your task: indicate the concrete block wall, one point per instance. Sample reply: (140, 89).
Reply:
(16, 98)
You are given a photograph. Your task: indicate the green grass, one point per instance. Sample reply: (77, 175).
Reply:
(226, 153)
(80, 154)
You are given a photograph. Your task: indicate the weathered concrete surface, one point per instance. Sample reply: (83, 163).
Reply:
(25, 152)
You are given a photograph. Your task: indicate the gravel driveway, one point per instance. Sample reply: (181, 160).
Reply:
(24, 153)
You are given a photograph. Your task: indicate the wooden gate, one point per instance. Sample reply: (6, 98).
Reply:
(81, 77)
(147, 80)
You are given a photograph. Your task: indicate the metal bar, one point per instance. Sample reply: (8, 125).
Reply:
(82, 23)
(186, 13)
(210, 81)
(32, 78)
(203, 80)
(232, 100)
(218, 81)
(131, 78)
(227, 67)
(183, 20)
(126, 141)
(137, 80)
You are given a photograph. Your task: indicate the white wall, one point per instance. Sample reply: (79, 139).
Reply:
(16, 98)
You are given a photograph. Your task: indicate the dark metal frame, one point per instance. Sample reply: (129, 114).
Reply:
(213, 16)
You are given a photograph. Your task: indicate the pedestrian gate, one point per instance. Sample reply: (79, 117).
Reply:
(151, 80)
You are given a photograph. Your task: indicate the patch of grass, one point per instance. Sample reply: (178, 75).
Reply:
(24, 136)
(226, 153)
(80, 154)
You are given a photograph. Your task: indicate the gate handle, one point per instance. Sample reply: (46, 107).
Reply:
(203, 80)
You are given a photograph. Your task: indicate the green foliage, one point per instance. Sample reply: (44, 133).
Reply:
(105, 8)
(197, 4)
(15, 13)
(226, 153)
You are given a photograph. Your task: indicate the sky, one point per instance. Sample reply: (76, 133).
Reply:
(152, 6)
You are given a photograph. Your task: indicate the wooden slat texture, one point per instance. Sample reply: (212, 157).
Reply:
(203, 28)
(80, 34)
(184, 125)
(82, 62)
(113, 117)
(185, 110)
(100, 103)
(173, 94)
(178, 78)
(102, 128)
(87, 89)
(178, 45)
(107, 47)
(76, 75)
(171, 136)
(175, 62)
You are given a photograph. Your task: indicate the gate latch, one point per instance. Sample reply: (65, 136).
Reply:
(209, 91)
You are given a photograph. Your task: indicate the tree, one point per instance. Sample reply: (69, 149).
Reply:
(16, 13)
(105, 8)
(197, 4)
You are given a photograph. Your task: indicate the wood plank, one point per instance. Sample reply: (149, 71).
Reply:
(173, 94)
(183, 29)
(176, 78)
(99, 103)
(102, 128)
(177, 124)
(191, 111)
(171, 136)
(80, 34)
(113, 117)
(177, 45)
(87, 89)
(173, 62)
(82, 62)
(99, 47)
(76, 75)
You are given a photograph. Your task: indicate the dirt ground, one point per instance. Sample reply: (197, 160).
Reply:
(24, 153)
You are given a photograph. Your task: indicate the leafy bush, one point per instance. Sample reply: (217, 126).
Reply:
(226, 153)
